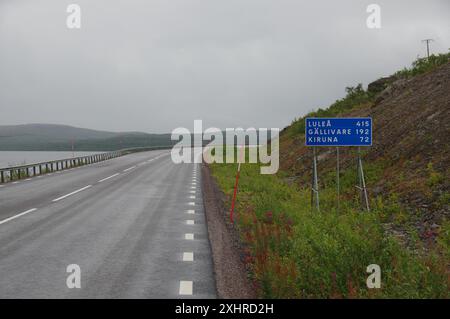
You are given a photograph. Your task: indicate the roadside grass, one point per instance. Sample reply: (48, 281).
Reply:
(295, 252)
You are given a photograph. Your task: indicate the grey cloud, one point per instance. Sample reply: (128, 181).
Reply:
(158, 64)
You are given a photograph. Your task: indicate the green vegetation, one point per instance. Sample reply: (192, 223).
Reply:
(434, 177)
(355, 96)
(294, 252)
(423, 65)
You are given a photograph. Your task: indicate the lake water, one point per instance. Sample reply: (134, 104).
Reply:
(8, 159)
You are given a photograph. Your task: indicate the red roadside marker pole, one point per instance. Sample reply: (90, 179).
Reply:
(235, 192)
(233, 201)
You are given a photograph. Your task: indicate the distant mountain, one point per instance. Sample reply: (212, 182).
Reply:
(51, 137)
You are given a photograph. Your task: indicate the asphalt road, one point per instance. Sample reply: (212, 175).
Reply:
(134, 225)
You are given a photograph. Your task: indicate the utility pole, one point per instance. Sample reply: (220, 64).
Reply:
(428, 46)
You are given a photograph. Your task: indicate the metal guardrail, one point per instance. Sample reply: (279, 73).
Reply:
(10, 174)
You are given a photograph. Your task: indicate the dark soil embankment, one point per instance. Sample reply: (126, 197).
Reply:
(230, 272)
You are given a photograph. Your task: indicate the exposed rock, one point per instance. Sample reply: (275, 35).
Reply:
(380, 85)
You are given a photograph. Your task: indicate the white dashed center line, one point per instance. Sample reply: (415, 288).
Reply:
(185, 287)
(189, 236)
(190, 222)
(188, 256)
(105, 179)
(129, 169)
(191, 211)
(67, 195)
(191, 204)
(17, 216)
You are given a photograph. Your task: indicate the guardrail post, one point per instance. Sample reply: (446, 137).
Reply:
(2, 176)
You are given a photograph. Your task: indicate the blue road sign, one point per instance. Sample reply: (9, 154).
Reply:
(338, 131)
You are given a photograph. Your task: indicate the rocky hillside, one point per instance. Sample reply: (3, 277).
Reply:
(409, 159)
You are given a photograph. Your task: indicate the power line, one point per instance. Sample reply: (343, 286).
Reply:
(428, 46)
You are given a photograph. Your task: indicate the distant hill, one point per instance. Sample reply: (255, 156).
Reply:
(51, 137)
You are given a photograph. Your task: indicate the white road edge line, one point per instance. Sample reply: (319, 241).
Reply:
(130, 168)
(105, 179)
(17, 216)
(73, 193)
(185, 287)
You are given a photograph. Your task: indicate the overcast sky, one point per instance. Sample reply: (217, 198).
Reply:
(154, 65)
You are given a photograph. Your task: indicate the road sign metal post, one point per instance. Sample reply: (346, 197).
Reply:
(315, 183)
(362, 183)
(337, 132)
(338, 186)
